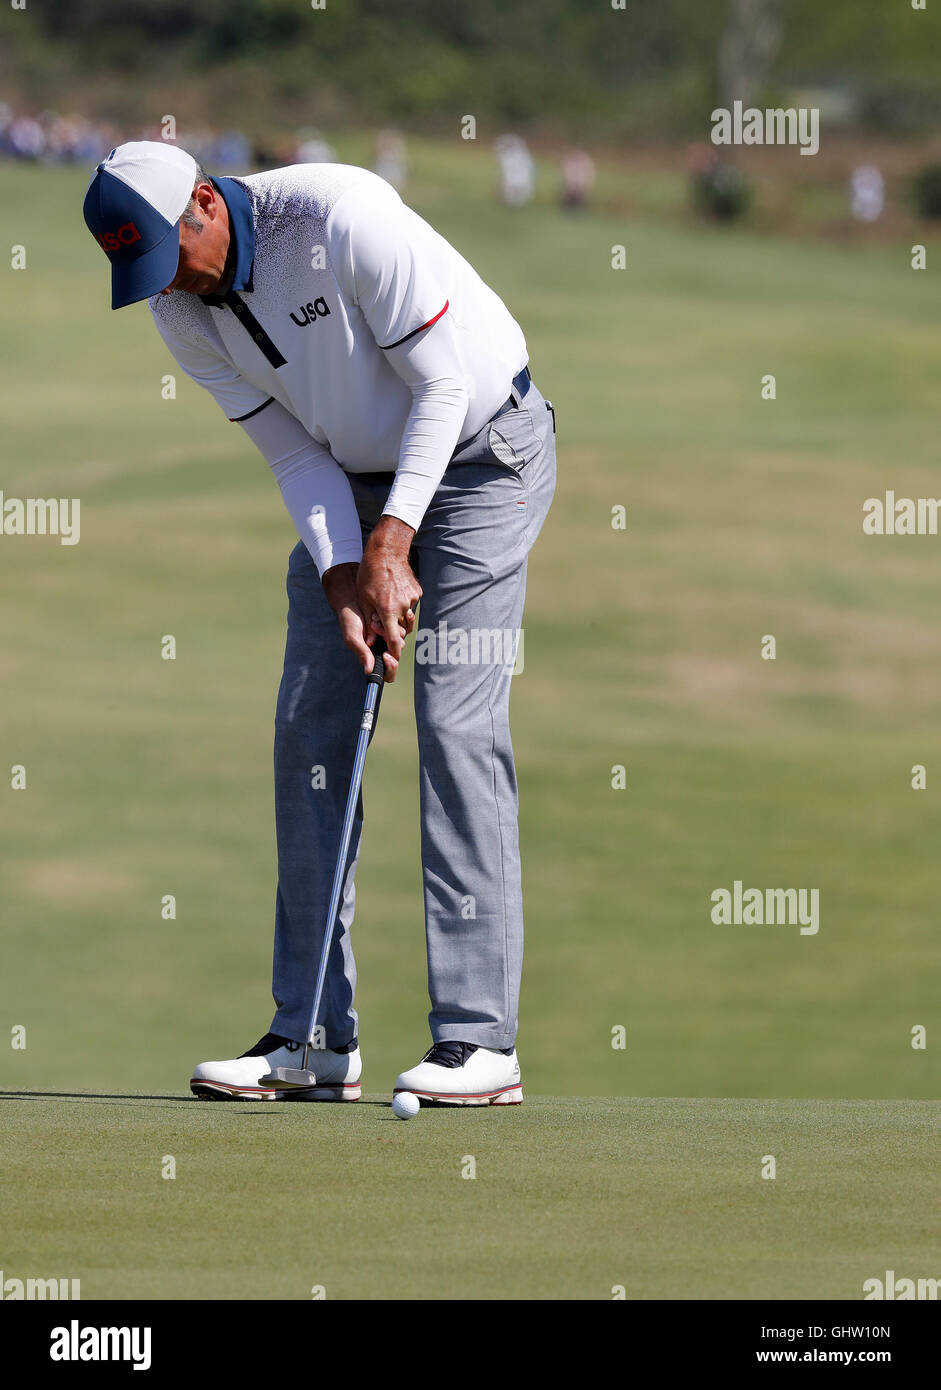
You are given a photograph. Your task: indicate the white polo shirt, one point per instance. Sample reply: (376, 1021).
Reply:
(352, 313)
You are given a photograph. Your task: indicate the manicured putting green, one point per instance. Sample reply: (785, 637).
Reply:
(571, 1199)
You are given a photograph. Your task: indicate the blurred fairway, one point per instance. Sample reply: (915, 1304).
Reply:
(569, 1198)
(148, 777)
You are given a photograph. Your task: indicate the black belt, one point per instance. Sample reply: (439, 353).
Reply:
(521, 384)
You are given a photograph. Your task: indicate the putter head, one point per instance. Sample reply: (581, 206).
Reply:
(283, 1078)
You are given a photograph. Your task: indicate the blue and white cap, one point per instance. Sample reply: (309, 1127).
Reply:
(133, 208)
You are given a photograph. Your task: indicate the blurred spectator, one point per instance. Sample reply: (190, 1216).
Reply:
(927, 191)
(26, 137)
(391, 158)
(54, 138)
(70, 140)
(867, 193)
(578, 178)
(313, 149)
(197, 142)
(230, 150)
(517, 170)
(6, 120)
(264, 156)
(718, 189)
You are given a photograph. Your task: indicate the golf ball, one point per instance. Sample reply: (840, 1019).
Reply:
(405, 1105)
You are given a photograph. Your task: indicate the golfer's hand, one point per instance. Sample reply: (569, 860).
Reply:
(339, 585)
(386, 587)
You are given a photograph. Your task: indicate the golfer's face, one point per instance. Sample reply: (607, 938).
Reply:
(203, 254)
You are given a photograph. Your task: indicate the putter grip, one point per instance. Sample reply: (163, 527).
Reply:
(378, 673)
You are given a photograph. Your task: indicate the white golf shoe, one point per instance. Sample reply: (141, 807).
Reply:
(338, 1073)
(460, 1073)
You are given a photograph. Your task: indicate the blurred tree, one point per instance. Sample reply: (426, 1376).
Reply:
(747, 48)
(649, 71)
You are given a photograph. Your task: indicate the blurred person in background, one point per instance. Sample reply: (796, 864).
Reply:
(392, 158)
(314, 149)
(517, 170)
(578, 178)
(867, 193)
(26, 136)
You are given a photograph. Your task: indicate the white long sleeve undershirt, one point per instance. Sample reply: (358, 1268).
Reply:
(315, 489)
(431, 368)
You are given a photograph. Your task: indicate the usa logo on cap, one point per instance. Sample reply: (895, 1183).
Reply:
(133, 208)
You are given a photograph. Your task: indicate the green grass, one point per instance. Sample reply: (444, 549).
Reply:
(148, 777)
(572, 1198)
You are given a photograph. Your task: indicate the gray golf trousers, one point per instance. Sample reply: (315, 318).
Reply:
(470, 555)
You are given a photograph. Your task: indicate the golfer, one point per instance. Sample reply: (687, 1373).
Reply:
(387, 387)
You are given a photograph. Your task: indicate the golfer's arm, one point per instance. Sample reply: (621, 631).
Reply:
(379, 259)
(430, 367)
(315, 489)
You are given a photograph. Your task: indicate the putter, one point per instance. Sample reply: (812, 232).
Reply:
(290, 1078)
